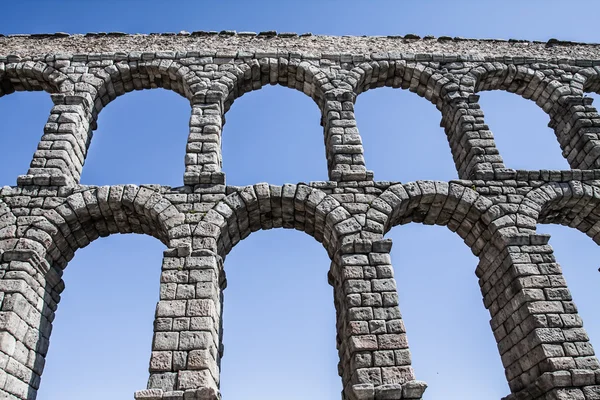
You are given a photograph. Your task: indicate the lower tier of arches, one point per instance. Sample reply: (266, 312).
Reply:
(543, 346)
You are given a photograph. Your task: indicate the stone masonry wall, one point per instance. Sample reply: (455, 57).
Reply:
(48, 215)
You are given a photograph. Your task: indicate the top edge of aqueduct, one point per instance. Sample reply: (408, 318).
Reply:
(317, 46)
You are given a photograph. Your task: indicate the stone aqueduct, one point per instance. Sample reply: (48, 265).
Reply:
(495, 209)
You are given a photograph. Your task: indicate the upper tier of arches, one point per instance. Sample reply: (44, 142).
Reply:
(451, 87)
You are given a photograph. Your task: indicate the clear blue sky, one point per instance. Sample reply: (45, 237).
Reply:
(279, 315)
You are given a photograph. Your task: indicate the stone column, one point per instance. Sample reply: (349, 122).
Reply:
(62, 150)
(345, 159)
(29, 293)
(186, 349)
(545, 350)
(203, 160)
(375, 361)
(471, 141)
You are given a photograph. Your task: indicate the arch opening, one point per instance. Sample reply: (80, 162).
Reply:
(277, 301)
(272, 135)
(23, 116)
(142, 141)
(446, 323)
(521, 133)
(101, 341)
(402, 137)
(459, 209)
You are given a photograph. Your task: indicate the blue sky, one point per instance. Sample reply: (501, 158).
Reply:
(279, 315)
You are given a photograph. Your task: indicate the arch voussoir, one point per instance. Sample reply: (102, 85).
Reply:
(459, 208)
(573, 204)
(97, 212)
(264, 206)
(30, 76)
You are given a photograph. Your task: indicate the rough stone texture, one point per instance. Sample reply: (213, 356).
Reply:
(494, 209)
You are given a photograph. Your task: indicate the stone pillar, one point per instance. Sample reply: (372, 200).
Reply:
(203, 152)
(29, 293)
(375, 361)
(62, 150)
(545, 350)
(471, 141)
(577, 126)
(186, 349)
(345, 159)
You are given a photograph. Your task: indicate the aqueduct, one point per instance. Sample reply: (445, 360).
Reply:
(48, 215)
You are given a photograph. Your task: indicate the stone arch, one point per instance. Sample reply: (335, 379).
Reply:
(452, 96)
(211, 91)
(488, 229)
(265, 206)
(422, 257)
(574, 204)
(46, 241)
(561, 99)
(249, 77)
(31, 76)
(108, 83)
(100, 211)
(420, 78)
(346, 162)
(239, 78)
(68, 134)
(122, 77)
(34, 76)
(461, 209)
(518, 79)
(229, 81)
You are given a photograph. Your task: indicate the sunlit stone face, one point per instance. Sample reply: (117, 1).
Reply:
(492, 206)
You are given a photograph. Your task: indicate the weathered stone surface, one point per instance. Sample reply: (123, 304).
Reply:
(493, 208)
